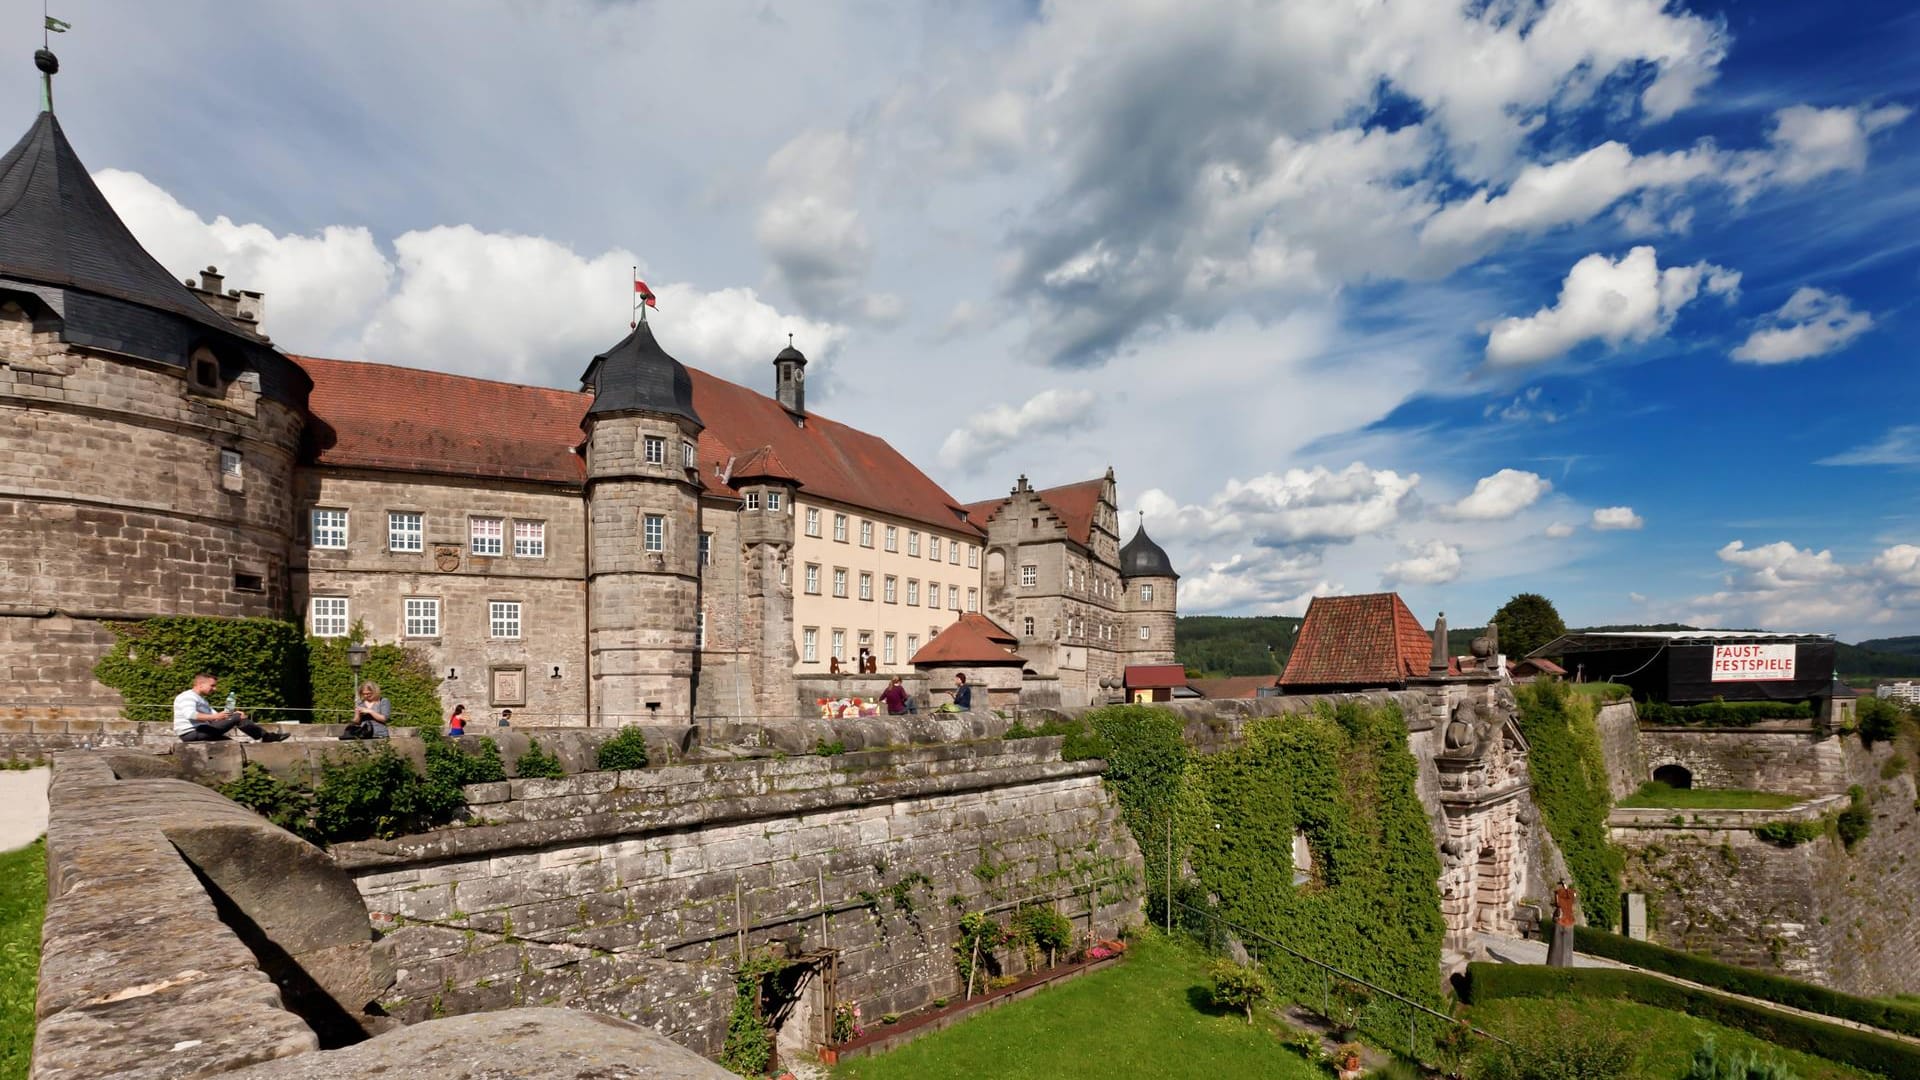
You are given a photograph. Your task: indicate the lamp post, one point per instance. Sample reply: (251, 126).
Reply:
(356, 656)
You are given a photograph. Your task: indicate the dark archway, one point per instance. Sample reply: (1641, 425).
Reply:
(1674, 776)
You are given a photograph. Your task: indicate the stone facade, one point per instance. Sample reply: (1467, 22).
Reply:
(1792, 759)
(636, 893)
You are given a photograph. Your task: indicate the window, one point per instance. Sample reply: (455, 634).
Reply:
(706, 549)
(889, 646)
(232, 474)
(839, 644)
(840, 581)
(330, 529)
(913, 592)
(1069, 577)
(1145, 634)
(1069, 626)
(810, 645)
(813, 579)
(1029, 576)
(913, 543)
(329, 616)
(840, 527)
(422, 617)
(953, 552)
(973, 599)
(913, 645)
(245, 582)
(530, 539)
(773, 501)
(753, 500)
(933, 548)
(656, 450)
(653, 532)
(700, 629)
(866, 534)
(892, 538)
(973, 557)
(1146, 594)
(953, 598)
(689, 457)
(866, 642)
(484, 536)
(404, 531)
(1026, 626)
(813, 522)
(783, 571)
(933, 594)
(890, 590)
(866, 585)
(503, 618)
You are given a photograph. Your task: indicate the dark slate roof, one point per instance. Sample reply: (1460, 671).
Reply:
(638, 375)
(791, 353)
(57, 229)
(1144, 558)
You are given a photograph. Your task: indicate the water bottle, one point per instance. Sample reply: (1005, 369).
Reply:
(230, 704)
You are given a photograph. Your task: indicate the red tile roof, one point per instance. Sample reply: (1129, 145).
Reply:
(379, 416)
(1073, 504)
(1233, 686)
(1540, 664)
(1358, 641)
(1154, 676)
(972, 639)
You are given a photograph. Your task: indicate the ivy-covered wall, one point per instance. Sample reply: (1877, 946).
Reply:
(1571, 789)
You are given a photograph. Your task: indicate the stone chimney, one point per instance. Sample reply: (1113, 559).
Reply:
(244, 308)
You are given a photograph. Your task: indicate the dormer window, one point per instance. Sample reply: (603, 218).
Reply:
(203, 373)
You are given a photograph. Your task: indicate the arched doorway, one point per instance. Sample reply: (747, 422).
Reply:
(1674, 776)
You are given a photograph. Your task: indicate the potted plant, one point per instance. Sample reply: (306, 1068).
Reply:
(1346, 1060)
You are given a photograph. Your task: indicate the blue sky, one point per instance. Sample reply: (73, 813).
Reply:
(1604, 299)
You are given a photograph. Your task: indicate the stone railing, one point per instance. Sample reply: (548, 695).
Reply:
(1658, 817)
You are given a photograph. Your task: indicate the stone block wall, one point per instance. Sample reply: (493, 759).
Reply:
(1619, 730)
(634, 893)
(1796, 760)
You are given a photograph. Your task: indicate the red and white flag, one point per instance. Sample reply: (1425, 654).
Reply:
(643, 295)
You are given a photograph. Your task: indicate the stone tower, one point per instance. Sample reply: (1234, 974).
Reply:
(1150, 590)
(643, 534)
(790, 380)
(147, 434)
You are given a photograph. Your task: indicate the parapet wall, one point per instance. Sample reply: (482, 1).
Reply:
(1795, 759)
(636, 893)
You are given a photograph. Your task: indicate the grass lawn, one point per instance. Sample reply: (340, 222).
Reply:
(1653, 795)
(1667, 1038)
(1147, 1017)
(23, 900)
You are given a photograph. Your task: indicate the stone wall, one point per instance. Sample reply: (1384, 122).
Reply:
(1791, 760)
(1619, 730)
(635, 893)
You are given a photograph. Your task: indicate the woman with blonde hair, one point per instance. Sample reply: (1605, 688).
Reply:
(370, 714)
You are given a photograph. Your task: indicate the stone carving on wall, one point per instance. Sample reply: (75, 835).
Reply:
(446, 557)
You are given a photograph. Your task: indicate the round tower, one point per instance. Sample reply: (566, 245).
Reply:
(1152, 594)
(643, 535)
(148, 433)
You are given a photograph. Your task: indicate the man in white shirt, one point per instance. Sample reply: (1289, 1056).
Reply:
(195, 720)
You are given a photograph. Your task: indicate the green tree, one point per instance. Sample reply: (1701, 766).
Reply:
(1240, 987)
(1527, 622)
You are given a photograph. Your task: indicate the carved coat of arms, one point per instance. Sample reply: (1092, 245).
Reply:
(446, 557)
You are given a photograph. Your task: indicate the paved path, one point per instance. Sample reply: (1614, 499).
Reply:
(23, 806)
(1505, 950)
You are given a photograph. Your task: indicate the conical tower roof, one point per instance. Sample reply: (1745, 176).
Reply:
(1144, 558)
(637, 375)
(57, 229)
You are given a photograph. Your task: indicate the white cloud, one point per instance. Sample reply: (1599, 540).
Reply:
(1298, 506)
(1899, 446)
(455, 298)
(1616, 301)
(1430, 562)
(1263, 582)
(1811, 323)
(1560, 530)
(1500, 496)
(810, 228)
(1807, 143)
(1048, 413)
(1779, 586)
(1616, 517)
(1526, 405)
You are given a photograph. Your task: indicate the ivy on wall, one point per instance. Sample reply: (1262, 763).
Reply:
(1570, 788)
(1341, 777)
(403, 675)
(262, 662)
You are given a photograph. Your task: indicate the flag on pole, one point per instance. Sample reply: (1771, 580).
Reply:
(643, 295)
(57, 26)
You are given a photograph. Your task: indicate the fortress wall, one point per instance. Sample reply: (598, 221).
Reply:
(1798, 760)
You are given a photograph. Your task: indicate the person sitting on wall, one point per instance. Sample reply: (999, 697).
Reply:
(962, 692)
(370, 714)
(895, 697)
(195, 720)
(833, 665)
(506, 717)
(457, 723)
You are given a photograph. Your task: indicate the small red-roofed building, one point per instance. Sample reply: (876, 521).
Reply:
(980, 649)
(1349, 643)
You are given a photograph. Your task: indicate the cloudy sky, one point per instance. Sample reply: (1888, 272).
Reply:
(1605, 299)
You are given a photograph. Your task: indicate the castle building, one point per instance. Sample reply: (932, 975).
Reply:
(659, 544)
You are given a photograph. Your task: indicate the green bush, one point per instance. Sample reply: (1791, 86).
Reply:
(455, 763)
(537, 764)
(1080, 742)
(379, 795)
(1853, 823)
(973, 952)
(288, 805)
(1790, 833)
(1879, 720)
(1851, 1046)
(1603, 692)
(260, 661)
(409, 683)
(1571, 1048)
(1724, 713)
(1710, 1064)
(1891, 1015)
(1570, 786)
(1042, 930)
(627, 750)
(1238, 986)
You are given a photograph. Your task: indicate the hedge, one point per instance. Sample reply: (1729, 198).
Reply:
(403, 676)
(1706, 971)
(1724, 713)
(262, 662)
(1860, 1049)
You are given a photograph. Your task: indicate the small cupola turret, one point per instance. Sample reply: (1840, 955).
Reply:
(790, 379)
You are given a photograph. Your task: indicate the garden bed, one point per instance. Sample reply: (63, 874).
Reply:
(881, 1037)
